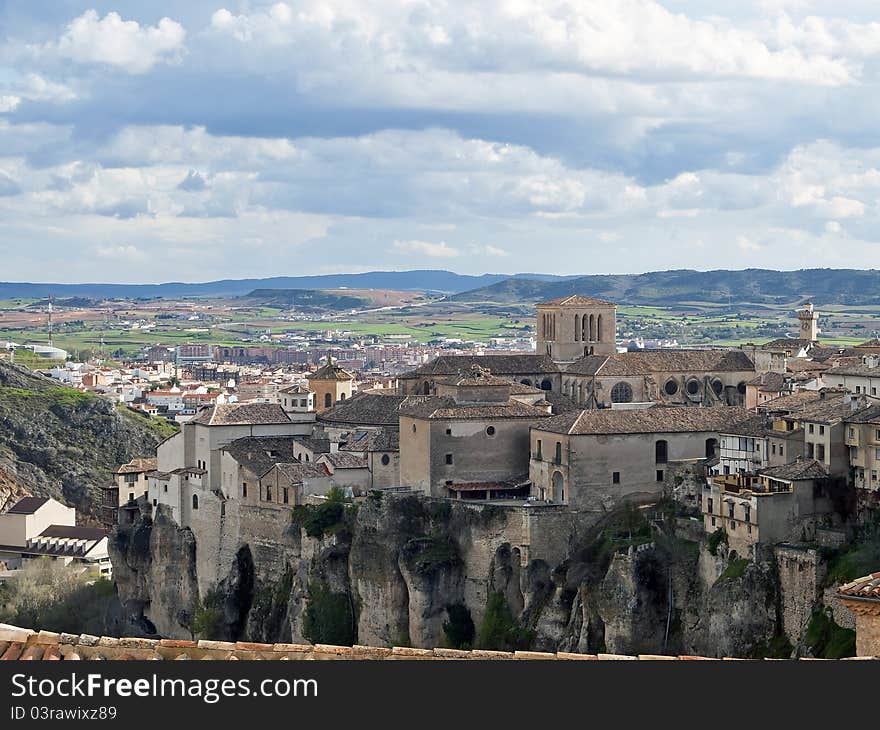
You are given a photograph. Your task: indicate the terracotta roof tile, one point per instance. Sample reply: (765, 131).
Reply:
(659, 419)
(867, 587)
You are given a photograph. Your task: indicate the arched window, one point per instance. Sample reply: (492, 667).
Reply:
(622, 393)
(592, 328)
(328, 400)
(558, 487)
(661, 452)
(195, 501)
(584, 325)
(546, 385)
(577, 327)
(599, 328)
(342, 396)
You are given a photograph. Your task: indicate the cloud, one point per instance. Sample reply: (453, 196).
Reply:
(426, 248)
(122, 43)
(193, 182)
(120, 253)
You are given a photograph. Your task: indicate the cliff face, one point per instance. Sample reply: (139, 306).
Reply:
(403, 570)
(58, 442)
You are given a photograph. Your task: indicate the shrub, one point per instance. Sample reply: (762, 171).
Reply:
(426, 555)
(828, 640)
(207, 618)
(329, 618)
(499, 630)
(716, 539)
(734, 569)
(459, 629)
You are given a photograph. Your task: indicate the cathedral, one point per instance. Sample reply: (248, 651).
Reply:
(577, 358)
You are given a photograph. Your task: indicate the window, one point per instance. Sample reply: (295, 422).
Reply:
(659, 475)
(490, 430)
(820, 452)
(773, 448)
(386, 459)
(268, 493)
(877, 435)
(670, 387)
(449, 432)
(780, 450)
(873, 475)
(285, 497)
(693, 386)
(448, 458)
(414, 428)
(852, 433)
(709, 505)
(244, 489)
(195, 501)
(811, 428)
(328, 400)
(165, 487)
(558, 458)
(615, 477)
(622, 393)
(821, 430)
(713, 522)
(855, 452)
(131, 496)
(130, 478)
(730, 510)
(539, 456)
(877, 453)
(661, 452)
(748, 514)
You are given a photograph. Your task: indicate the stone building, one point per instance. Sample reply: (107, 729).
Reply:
(594, 459)
(470, 439)
(576, 326)
(330, 384)
(130, 481)
(288, 484)
(862, 597)
(533, 370)
(381, 451)
(776, 504)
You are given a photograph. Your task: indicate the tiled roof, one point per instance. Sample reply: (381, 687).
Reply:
(241, 414)
(867, 587)
(807, 469)
(295, 471)
(647, 362)
(769, 382)
(659, 419)
(791, 403)
(447, 408)
(26, 644)
(871, 414)
(576, 300)
(136, 466)
(294, 390)
(27, 505)
(330, 371)
(792, 344)
(253, 452)
(369, 409)
(315, 445)
(475, 376)
(800, 364)
(854, 369)
(498, 364)
(380, 440)
(344, 460)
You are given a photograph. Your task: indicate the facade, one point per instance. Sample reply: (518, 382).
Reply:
(472, 438)
(576, 326)
(41, 527)
(596, 459)
(776, 504)
(130, 481)
(330, 385)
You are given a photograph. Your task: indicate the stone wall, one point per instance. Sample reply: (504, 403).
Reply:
(801, 572)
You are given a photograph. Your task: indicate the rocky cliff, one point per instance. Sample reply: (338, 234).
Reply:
(404, 570)
(59, 442)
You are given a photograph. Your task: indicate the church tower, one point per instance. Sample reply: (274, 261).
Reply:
(809, 320)
(571, 327)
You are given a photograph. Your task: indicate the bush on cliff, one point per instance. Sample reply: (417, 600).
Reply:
(500, 630)
(328, 619)
(459, 629)
(716, 539)
(427, 555)
(324, 518)
(827, 640)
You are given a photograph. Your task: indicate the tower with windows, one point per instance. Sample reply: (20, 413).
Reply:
(574, 326)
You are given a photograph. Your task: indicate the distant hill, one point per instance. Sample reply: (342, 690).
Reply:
(427, 280)
(311, 299)
(757, 286)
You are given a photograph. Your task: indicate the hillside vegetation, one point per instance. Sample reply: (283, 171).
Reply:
(59, 442)
(664, 288)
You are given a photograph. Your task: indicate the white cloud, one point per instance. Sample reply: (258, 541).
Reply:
(123, 43)
(121, 253)
(426, 248)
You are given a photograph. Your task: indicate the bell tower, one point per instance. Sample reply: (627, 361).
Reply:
(809, 320)
(572, 327)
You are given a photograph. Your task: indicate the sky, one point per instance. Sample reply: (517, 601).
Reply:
(170, 141)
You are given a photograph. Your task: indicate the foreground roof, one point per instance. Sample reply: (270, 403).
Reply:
(260, 454)
(136, 466)
(19, 643)
(659, 419)
(866, 587)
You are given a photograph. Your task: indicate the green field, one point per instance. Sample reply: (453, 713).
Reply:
(691, 323)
